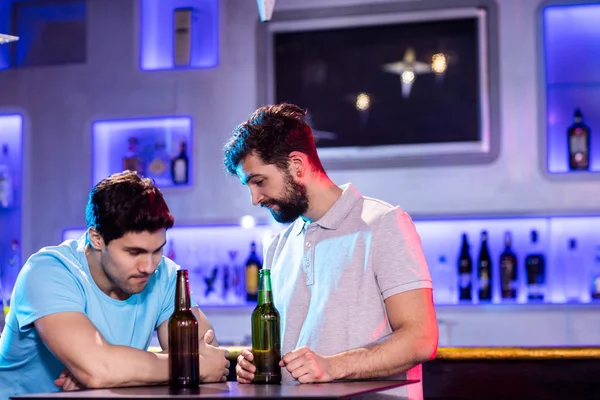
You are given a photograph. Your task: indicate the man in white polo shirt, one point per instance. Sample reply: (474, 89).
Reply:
(349, 276)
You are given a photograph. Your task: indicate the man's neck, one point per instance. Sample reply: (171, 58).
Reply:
(322, 194)
(103, 282)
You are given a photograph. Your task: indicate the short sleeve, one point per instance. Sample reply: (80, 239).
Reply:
(45, 286)
(399, 262)
(168, 281)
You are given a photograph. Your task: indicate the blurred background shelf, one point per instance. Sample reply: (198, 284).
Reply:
(179, 34)
(571, 44)
(160, 148)
(11, 200)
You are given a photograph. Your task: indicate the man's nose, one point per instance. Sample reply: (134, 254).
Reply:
(146, 265)
(256, 198)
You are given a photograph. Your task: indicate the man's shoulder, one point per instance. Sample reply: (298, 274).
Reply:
(374, 210)
(66, 256)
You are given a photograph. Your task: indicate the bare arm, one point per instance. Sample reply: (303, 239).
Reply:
(203, 326)
(76, 342)
(413, 341)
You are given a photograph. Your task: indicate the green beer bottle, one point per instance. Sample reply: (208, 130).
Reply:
(184, 354)
(266, 343)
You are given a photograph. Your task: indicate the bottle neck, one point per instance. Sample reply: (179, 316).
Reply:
(464, 248)
(182, 292)
(507, 241)
(265, 293)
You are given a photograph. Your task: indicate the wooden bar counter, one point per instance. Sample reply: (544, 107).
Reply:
(530, 373)
(513, 373)
(506, 373)
(231, 390)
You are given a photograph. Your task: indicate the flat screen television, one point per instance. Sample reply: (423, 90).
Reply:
(386, 86)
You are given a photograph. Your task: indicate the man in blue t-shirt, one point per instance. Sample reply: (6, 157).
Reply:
(83, 313)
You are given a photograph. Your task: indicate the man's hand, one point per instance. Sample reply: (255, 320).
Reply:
(68, 382)
(215, 365)
(307, 366)
(244, 369)
(210, 338)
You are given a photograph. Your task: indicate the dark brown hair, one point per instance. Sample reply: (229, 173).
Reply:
(273, 132)
(126, 202)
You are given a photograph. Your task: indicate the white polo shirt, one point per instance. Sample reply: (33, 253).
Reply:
(330, 277)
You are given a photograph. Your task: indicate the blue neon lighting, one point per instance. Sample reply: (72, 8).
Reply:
(11, 134)
(572, 62)
(566, 271)
(110, 141)
(156, 33)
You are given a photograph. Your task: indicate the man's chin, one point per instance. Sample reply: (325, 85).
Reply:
(135, 289)
(283, 219)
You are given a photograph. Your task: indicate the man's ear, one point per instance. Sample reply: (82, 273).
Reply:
(95, 239)
(299, 164)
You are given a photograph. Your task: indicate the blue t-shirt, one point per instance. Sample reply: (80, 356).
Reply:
(57, 279)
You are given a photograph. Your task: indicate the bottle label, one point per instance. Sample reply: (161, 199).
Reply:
(596, 287)
(252, 279)
(157, 166)
(4, 192)
(133, 164)
(464, 280)
(484, 280)
(535, 269)
(507, 267)
(179, 170)
(579, 144)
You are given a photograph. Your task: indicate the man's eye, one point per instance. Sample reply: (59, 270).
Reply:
(134, 253)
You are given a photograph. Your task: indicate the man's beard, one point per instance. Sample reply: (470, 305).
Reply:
(124, 285)
(293, 204)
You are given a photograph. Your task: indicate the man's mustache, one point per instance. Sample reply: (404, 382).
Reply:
(268, 204)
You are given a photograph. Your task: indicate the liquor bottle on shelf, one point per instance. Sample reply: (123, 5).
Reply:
(572, 266)
(210, 282)
(237, 281)
(2, 314)
(253, 265)
(508, 270)
(595, 274)
(6, 180)
(465, 271)
(160, 166)
(8, 275)
(4, 297)
(180, 166)
(13, 266)
(444, 282)
(133, 161)
(579, 143)
(484, 270)
(535, 265)
(171, 251)
(226, 283)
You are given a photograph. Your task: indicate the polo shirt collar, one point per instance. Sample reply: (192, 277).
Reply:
(336, 213)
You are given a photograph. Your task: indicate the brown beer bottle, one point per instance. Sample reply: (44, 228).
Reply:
(184, 354)
(266, 343)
